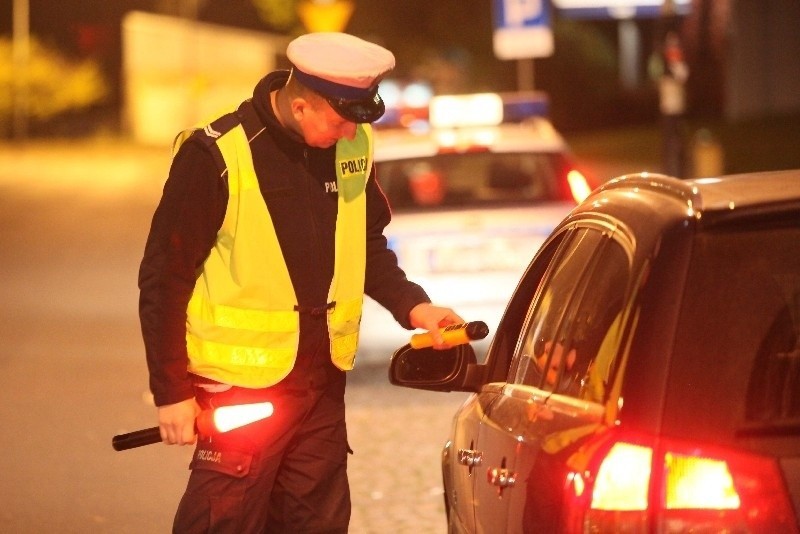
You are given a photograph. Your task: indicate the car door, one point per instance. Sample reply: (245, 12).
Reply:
(462, 465)
(463, 459)
(549, 401)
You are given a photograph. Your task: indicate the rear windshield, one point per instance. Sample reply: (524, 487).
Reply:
(737, 354)
(473, 179)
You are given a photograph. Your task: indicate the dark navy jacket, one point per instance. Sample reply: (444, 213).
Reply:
(295, 181)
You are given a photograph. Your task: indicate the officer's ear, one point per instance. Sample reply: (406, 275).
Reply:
(300, 106)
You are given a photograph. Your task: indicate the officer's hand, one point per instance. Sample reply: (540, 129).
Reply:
(432, 318)
(176, 422)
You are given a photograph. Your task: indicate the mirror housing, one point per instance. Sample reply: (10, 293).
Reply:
(453, 369)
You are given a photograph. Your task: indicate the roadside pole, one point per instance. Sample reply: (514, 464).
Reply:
(525, 77)
(20, 52)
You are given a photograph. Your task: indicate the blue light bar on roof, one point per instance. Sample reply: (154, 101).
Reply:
(458, 111)
(524, 105)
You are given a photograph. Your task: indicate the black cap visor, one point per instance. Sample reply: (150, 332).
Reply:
(354, 104)
(359, 111)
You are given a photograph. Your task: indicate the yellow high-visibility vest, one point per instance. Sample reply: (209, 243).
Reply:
(243, 327)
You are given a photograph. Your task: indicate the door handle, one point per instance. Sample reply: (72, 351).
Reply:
(470, 458)
(501, 477)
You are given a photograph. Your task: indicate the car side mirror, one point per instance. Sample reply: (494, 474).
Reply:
(453, 369)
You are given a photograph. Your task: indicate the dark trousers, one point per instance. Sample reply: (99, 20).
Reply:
(287, 473)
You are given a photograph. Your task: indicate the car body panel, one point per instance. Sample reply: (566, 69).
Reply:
(495, 481)
(459, 477)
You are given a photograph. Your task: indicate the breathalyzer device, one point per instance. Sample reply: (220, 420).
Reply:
(454, 334)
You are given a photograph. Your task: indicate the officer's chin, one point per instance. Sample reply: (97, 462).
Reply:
(322, 143)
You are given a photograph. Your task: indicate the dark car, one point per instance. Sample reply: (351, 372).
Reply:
(645, 376)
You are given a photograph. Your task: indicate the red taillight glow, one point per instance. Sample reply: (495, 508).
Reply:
(578, 186)
(699, 483)
(642, 485)
(623, 478)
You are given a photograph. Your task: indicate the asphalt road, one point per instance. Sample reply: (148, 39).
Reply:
(73, 220)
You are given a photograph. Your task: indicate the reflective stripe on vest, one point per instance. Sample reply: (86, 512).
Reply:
(242, 325)
(353, 163)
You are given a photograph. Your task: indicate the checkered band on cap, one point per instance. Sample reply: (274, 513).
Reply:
(343, 68)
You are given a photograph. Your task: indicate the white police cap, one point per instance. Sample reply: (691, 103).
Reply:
(344, 69)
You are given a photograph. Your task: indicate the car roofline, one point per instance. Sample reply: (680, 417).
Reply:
(743, 192)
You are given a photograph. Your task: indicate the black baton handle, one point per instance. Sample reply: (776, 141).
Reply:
(139, 438)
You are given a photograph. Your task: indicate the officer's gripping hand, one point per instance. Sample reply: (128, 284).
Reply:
(177, 422)
(432, 318)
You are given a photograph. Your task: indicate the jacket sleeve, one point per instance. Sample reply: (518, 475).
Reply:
(385, 281)
(182, 233)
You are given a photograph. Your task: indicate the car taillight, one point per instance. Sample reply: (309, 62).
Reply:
(578, 186)
(645, 485)
(623, 478)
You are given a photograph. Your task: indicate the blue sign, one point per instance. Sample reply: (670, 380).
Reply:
(522, 29)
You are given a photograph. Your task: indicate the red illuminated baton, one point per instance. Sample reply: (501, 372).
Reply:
(208, 423)
(455, 334)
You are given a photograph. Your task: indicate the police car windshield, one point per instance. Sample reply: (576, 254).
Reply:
(473, 179)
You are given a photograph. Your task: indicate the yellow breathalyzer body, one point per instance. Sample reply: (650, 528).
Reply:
(454, 334)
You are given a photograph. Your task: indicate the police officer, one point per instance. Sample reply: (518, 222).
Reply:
(268, 234)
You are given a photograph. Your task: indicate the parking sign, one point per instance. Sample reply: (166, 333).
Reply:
(522, 29)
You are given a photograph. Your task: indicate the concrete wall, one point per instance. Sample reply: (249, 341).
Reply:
(177, 72)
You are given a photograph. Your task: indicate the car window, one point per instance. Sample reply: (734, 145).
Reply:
(569, 341)
(505, 339)
(741, 323)
(470, 179)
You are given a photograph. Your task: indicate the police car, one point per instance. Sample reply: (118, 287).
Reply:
(476, 183)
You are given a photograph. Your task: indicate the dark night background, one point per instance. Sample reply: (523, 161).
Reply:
(581, 78)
